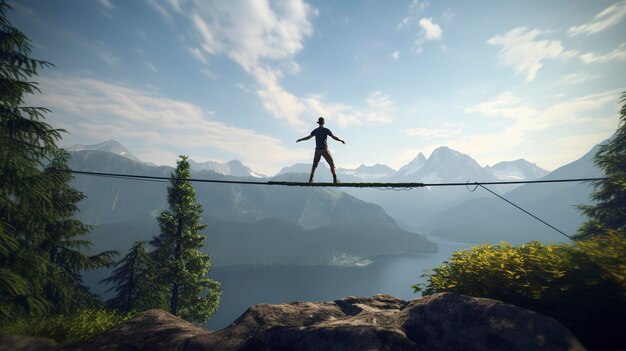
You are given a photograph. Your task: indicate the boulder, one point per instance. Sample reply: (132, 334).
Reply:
(153, 330)
(444, 321)
(24, 343)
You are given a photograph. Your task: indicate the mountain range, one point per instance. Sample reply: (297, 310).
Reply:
(449, 212)
(489, 219)
(124, 210)
(111, 146)
(415, 208)
(444, 163)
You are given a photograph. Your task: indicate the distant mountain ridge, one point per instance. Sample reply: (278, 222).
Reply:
(112, 146)
(517, 170)
(414, 209)
(489, 219)
(232, 168)
(444, 164)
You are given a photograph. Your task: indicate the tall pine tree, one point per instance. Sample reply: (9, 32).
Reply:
(182, 267)
(39, 257)
(608, 214)
(26, 143)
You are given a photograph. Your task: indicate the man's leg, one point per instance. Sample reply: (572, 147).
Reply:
(316, 160)
(331, 163)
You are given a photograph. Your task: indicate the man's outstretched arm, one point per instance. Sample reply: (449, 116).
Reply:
(334, 137)
(304, 138)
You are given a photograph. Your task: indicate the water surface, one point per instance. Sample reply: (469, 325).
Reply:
(246, 285)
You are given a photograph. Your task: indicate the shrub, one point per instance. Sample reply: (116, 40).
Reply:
(67, 329)
(583, 284)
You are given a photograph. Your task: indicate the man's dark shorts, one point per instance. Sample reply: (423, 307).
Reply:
(327, 156)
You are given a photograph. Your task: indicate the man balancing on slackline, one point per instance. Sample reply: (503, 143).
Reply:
(321, 148)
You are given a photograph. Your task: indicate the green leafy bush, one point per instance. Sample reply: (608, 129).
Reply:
(67, 329)
(583, 284)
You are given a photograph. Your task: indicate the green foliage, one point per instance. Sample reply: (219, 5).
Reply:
(609, 212)
(583, 285)
(25, 143)
(134, 281)
(39, 246)
(182, 268)
(67, 329)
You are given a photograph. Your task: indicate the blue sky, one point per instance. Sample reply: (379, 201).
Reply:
(222, 80)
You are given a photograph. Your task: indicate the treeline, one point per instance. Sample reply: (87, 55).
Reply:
(42, 245)
(582, 284)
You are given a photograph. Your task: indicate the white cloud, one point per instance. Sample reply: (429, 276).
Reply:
(379, 101)
(531, 125)
(264, 37)
(102, 110)
(395, 55)
(504, 105)
(415, 9)
(527, 117)
(107, 4)
(432, 31)
(335, 113)
(618, 54)
(195, 52)
(429, 30)
(165, 14)
(577, 78)
(524, 53)
(379, 106)
(253, 32)
(607, 18)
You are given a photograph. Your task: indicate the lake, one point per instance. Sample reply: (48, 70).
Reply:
(246, 285)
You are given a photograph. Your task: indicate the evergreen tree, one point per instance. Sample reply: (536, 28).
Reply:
(133, 281)
(608, 215)
(26, 143)
(182, 267)
(39, 257)
(61, 240)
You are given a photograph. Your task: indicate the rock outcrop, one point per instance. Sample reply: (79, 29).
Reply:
(24, 343)
(443, 321)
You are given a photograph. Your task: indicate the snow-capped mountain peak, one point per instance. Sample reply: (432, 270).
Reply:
(112, 146)
(231, 168)
(517, 170)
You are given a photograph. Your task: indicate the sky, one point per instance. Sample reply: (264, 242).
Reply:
(223, 80)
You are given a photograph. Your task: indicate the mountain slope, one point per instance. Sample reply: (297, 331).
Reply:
(273, 241)
(417, 207)
(115, 199)
(517, 170)
(492, 220)
(111, 146)
(232, 168)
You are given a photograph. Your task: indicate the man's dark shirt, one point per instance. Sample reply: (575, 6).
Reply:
(321, 134)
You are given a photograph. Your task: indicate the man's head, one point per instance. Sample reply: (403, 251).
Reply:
(320, 121)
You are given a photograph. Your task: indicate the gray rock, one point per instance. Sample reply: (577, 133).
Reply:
(443, 321)
(24, 343)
